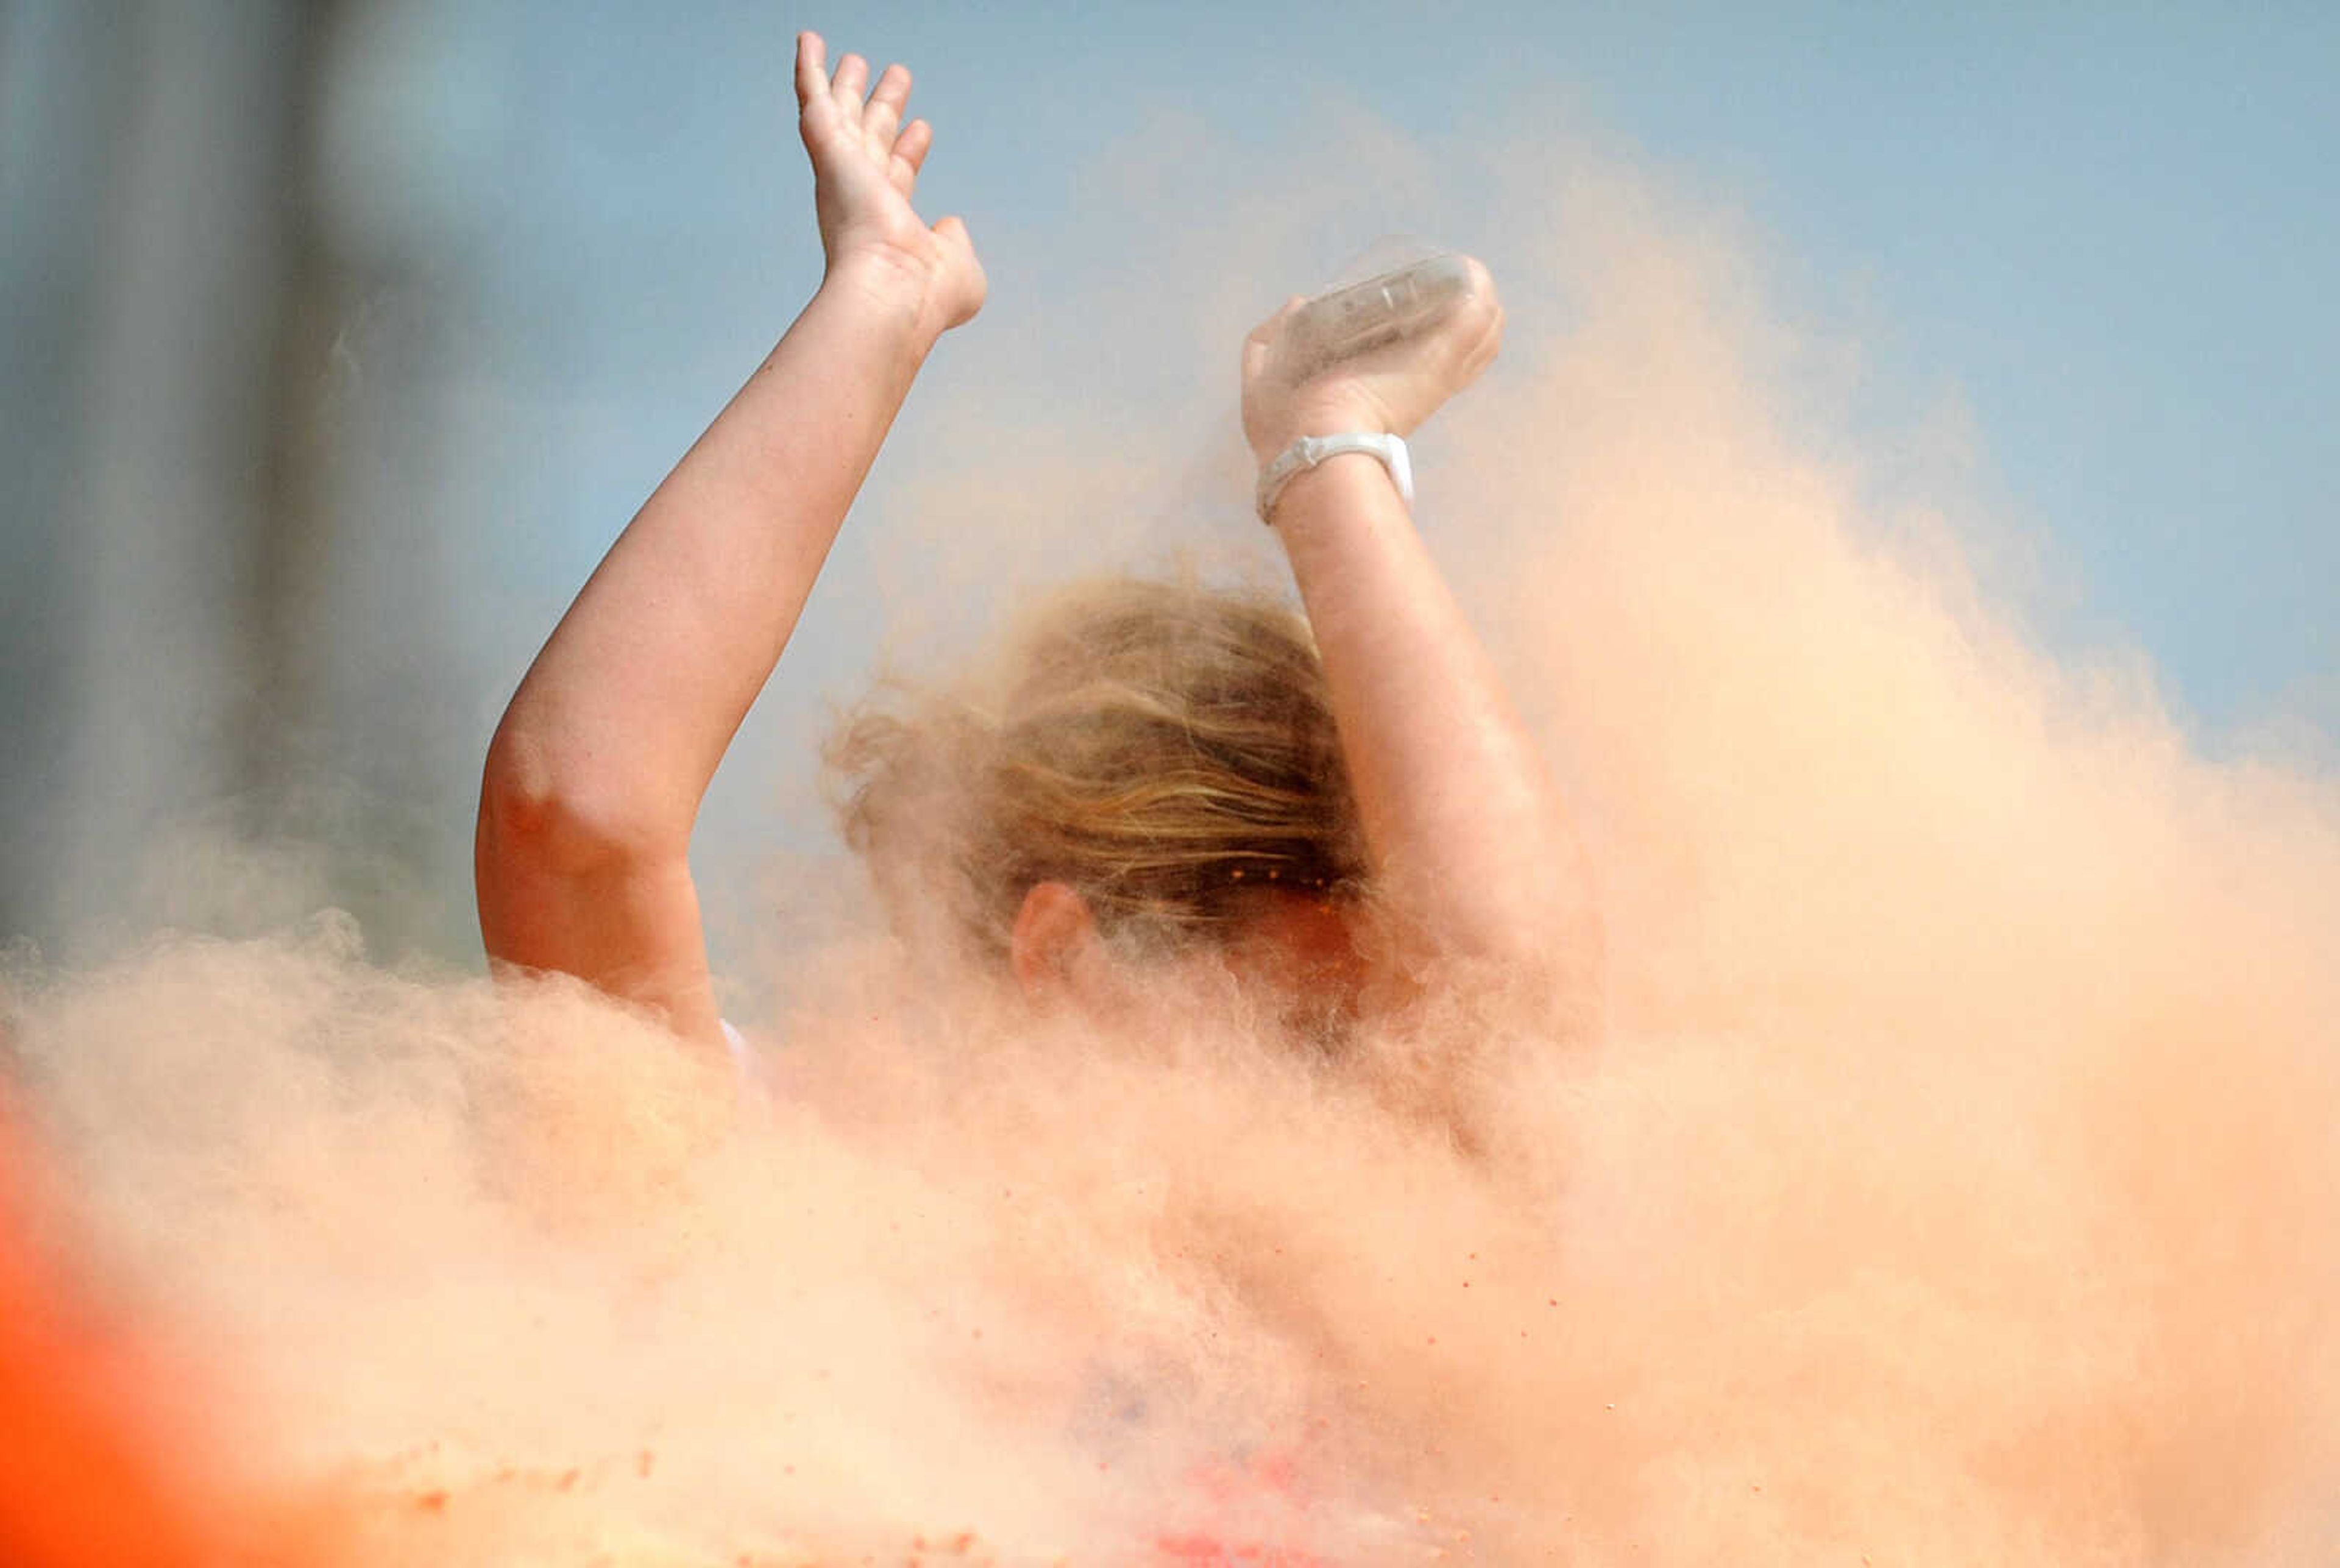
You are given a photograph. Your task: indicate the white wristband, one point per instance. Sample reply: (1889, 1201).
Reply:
(1311, 449)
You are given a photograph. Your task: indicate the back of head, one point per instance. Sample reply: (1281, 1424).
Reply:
(1163, 749)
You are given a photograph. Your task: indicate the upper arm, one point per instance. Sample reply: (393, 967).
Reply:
(622, 917)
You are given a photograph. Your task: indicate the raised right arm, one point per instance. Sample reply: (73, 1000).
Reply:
(595, 776)
(1474, 845)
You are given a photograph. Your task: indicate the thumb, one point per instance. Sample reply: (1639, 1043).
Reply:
(1265, 332)
(1261, 338)
(971, 286)
(1254, 354)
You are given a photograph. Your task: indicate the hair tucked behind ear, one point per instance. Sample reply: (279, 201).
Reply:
(1162, 747)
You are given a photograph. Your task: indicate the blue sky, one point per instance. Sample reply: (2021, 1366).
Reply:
(2114, 229)
(2109, 232)
(2096, 240)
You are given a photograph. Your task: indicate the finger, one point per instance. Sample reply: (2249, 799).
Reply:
(1484, 348)
(911, 149)
(883, 116)
(1491, 340)
(1479, 284)
(1475, 325)
(846, 87)
(812, 72)
(812, 63)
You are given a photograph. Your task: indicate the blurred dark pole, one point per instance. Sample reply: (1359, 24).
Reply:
(64, 91)
(160, 282)
(293, 524)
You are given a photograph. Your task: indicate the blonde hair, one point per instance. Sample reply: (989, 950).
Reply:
(1163, 749)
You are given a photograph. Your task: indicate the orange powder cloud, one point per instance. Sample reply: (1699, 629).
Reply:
(1956, 1182)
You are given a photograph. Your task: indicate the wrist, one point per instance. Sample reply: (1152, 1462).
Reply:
(1320, 417)
(894, 295)
(1311, 453)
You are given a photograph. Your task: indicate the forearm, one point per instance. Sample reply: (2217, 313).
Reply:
(595, 776)
(622, 721)
(1468, 833)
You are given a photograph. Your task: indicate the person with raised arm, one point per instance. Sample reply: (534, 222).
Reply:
(1164, 774)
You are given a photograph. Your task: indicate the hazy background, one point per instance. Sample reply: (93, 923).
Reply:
(1897, 509)
(341, 337)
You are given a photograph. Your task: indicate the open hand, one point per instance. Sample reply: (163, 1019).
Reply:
(1390, 389)
(864, 165)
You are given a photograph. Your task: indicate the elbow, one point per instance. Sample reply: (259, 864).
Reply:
(541, 814)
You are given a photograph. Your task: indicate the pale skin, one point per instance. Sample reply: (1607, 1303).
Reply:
(595, 776)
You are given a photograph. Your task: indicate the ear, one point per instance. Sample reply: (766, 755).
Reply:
(1054, 941)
